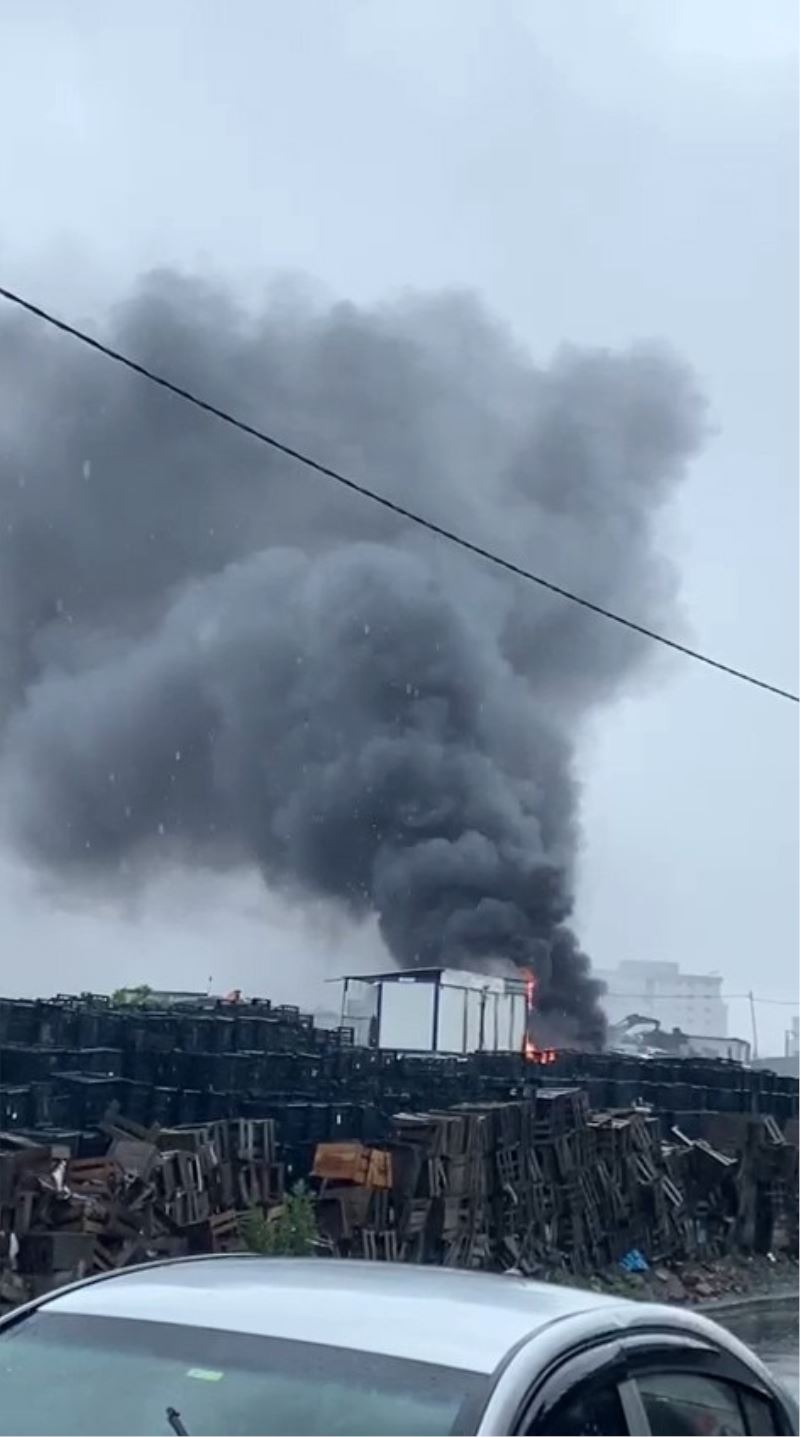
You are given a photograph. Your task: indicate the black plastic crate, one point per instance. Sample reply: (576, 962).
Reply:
(319, 1123)
(280, 1072)
(248, 1037)
(189, 1104)
(219, 1072)
(89, 1026)
(19, 1021)
(157, 1032)
(252, 1074)
(345, 1121)
(220, 1105)
(22, 1064)
(355, 1064)
(223, 1033)
(192, 1070)
(196, 1032)
(60, 1105)
(41, 1105)
(51, 1252)
(16, 1105)
(164, 1107)
(779, 1107)
(142, 1065)
(90, 1095)
(647, 1093)
(101, 1062)
(57, 1024)
(92, 1143)
(271, 1038)
(167, 1070)
(293, 1123)
(287, 1012)
(375, 1125)
(248, 1072)
(55, 1136)
(261, 1006)
(134, 1099)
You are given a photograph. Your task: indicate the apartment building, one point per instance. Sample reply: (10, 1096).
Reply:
(689, 1001)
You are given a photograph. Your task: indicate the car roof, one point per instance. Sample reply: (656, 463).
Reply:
(460, 1319)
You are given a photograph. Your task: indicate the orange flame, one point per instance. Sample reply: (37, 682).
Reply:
(539, 1055)
(532, 1053)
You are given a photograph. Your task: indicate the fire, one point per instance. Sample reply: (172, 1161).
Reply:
(538, 1055)
(530, 1050)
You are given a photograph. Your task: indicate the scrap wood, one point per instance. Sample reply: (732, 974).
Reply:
(353, 1163)
(67, 1216)
(341, 1162)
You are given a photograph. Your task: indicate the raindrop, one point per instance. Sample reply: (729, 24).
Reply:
(161, 829)
(177, 755)
(366, 628)
(87, 468)
(112, 778)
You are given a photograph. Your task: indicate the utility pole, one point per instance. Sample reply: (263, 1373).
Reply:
(753, 1022)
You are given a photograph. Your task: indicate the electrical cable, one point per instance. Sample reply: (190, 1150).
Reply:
(443, 533)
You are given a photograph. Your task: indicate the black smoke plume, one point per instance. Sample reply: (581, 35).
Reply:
(207, 648)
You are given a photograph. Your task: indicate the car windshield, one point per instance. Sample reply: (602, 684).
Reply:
(84, 1375)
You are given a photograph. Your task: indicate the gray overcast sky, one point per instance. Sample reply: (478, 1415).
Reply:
(598, 170)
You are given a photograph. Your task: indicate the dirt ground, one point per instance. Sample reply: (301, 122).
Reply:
(696, 1283)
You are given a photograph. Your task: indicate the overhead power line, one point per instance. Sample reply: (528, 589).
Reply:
(385, 503)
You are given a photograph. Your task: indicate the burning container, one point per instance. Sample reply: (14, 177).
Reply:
(438, 1010)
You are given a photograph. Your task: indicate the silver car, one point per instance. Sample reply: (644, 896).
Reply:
(249, 1345)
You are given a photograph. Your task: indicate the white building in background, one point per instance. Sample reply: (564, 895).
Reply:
(689, 1001)
(792, 1041)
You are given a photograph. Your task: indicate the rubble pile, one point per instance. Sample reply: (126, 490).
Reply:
(148, 1194)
